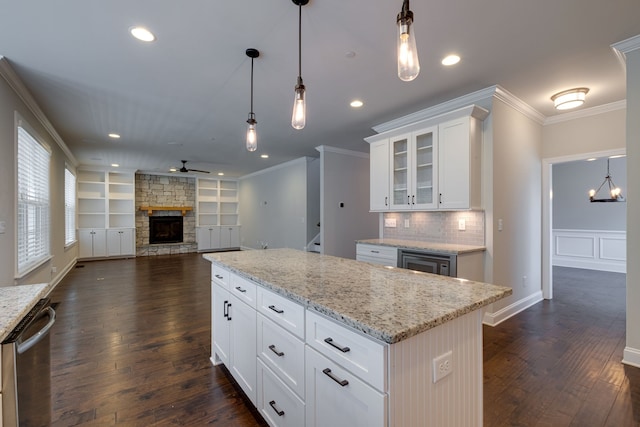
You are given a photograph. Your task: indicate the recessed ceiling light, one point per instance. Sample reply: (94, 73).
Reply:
(617, 156)
(350, 54)
(173, 170)
(264, 156)
(114, 136)
(593, 159)
(450, 60)
(356, 103)
(220, 173)
(115, 165)
(142, 34)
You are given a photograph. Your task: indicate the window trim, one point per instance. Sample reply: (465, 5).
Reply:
(27, 269)
(70, 243)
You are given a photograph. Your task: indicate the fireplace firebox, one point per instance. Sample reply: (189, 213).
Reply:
(165, 229)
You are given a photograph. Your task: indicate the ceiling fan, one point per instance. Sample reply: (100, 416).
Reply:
(184, 168)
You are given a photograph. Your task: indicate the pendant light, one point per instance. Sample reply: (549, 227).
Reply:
(615, 194)
(299, 115)
(408, 63)
(252, 137)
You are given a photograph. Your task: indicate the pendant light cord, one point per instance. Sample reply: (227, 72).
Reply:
(251, 112)
(300, 41)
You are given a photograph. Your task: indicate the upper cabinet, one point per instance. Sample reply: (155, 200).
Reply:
(433, 164)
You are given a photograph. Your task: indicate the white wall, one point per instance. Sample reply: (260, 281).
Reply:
(274, 208)
(62, 259)
(632, 351)
(344, 179)
(513, 174)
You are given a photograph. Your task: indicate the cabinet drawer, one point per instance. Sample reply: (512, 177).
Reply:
(244, 289)
(279, 406)
(282, 311)
(220, 276)
(363, 356)
(377, 254)
(282, 352)
(335, 397)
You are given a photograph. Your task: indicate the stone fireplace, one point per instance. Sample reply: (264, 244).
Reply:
(165, 229)
(171, 192)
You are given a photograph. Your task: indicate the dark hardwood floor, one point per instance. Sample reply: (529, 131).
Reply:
(131, 346)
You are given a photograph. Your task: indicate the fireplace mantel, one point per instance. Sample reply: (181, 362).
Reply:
(150, 209)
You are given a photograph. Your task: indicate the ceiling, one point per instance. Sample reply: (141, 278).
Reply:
(187, 94)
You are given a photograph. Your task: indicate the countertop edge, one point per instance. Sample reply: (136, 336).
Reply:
(26, 296)
(426, 247)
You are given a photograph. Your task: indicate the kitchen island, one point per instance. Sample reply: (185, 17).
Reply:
(318, 340)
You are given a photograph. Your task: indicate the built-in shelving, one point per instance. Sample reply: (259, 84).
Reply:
(217, 213)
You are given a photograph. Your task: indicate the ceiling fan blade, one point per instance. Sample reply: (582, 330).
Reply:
(198, 170)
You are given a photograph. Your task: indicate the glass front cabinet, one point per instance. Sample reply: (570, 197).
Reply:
(413, 170)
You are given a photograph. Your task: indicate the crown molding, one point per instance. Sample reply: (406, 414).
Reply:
(329, 149)
(629, 45)
(278, 166)
(587, 112)
(14, 81)
(519, 105)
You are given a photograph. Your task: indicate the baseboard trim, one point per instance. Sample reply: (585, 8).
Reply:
(497, 317)
(631, 357)
(58, 278)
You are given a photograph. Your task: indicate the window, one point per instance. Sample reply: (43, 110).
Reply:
(69, 207)
(33, 201)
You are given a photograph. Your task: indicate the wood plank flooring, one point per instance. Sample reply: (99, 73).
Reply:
(131, 346)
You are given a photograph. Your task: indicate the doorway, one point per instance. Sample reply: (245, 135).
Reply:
(547, 210)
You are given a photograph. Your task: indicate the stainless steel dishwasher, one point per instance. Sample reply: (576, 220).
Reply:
(26, 370)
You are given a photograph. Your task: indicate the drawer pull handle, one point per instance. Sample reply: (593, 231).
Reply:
(273, 348)
(328, 373)
(375, 252)
(219, 277)
(229, 312)
(332, 344)
(278, 411)
(239, 289)
(273, 307)
(225, 311)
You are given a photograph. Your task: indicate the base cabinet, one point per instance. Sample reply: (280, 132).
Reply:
(92, 243)
(278, 405)
(121, 242)
(336, 397)
(215, 237)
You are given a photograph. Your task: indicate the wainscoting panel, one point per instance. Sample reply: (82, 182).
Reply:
(590, 249)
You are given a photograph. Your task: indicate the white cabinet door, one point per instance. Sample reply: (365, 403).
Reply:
(335, 397)
(243, 346)
(93, 243)
(208, 237)
(424, 169)
(277, 404)
(229, 236)
(458, 160)
(221, 325)
(120, 242)
(379, 176)
(400, 173)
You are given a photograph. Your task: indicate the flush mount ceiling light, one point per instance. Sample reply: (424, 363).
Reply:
(356, 103)
(252, 137)
(264, 156)
(114, 136)
(299, 115)
(615, 194)
(408, 63)
(569, 99)
(142, 34)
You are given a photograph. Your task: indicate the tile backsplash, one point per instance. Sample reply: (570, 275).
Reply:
(441, 227)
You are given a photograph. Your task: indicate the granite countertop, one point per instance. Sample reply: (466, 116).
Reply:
(15, 303)
(449, 248)
(389, 304)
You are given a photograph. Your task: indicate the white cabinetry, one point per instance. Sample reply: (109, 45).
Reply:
(433, 164)
(459, 164)
(121, 242)
(379, 176)
(377, 254)
(92, 243)
(234, 328)
(217, 214)
(106, 202)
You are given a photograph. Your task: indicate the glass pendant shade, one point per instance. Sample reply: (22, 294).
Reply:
(252, 136)
(299, 116)
(408, 63)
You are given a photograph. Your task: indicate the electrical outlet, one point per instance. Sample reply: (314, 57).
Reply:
(406, 223)
(524, 281)
(390, 222)
(442, 366)
(462, 225)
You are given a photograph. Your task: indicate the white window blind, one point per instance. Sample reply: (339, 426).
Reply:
(33, 202)
(69, 207)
